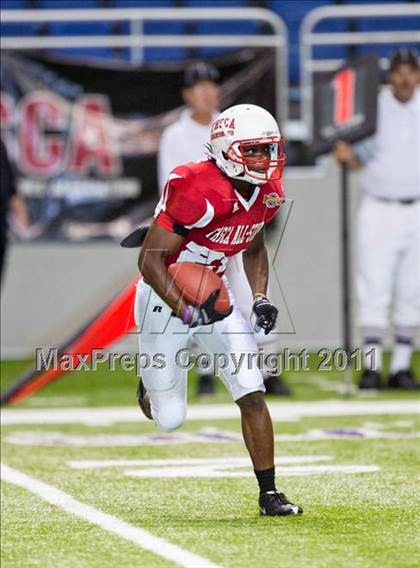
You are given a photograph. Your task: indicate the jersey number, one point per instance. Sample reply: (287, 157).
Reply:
(203, 255)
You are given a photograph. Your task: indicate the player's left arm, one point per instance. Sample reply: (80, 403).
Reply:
(255, 261)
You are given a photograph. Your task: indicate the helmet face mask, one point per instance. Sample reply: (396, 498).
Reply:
(259, 169)
(241, 131)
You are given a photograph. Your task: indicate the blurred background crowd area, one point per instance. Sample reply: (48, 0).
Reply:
(292, 13)
(87, 89)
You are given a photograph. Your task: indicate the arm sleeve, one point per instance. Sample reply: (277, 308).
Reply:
(182, 204)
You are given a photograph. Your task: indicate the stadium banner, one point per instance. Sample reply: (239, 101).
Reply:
(84, 137)
(345, 103)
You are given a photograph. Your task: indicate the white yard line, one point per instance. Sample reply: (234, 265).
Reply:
(280, 412)
(112, 524)
(220, 472)
(225, 460)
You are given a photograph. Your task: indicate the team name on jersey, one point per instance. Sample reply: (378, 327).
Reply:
(234, 235)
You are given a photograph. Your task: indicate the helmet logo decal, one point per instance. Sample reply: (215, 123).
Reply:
(221, 125)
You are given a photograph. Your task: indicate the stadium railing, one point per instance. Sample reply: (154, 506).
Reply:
(136, 40)
(309, 39)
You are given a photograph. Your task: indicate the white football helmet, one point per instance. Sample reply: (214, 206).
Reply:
(241, 126)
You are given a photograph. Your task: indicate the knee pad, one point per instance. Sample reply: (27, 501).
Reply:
(170, 417)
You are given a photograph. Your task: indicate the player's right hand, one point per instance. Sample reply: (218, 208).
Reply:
(206, 314)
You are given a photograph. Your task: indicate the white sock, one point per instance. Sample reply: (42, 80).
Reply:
(372, 356)
(401, 357)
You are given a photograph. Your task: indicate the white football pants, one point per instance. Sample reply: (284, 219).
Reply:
(388, 265)
(231, 340)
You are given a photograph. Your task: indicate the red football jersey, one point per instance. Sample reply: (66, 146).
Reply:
(200, 202)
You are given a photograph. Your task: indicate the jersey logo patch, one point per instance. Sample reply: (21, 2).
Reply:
(273, 200)
(235, 207)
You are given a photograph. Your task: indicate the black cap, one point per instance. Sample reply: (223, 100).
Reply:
(200, 71)
(404, 56)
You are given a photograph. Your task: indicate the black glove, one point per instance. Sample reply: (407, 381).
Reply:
(266, 315)
(205, 314)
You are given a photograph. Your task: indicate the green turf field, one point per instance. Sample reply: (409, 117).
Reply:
(355, 473)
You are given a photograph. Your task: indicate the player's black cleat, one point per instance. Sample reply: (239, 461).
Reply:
(276, 504)
(143, 400)
(276, 386)
(403, 380)
(370, 380)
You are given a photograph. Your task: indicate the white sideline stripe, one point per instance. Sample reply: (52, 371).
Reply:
(112, 524)
(280, 412)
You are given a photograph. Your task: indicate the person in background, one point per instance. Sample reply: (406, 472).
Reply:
(185, 140)
(11, 203)
(388, 240)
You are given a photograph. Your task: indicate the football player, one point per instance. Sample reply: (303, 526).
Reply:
(209, 211)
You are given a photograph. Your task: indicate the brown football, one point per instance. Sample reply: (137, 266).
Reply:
(197, 282)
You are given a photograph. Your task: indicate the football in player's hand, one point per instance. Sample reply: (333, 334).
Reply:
(197, 282)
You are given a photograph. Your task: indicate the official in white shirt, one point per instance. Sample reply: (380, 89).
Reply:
(388, 236)
(185, 140)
